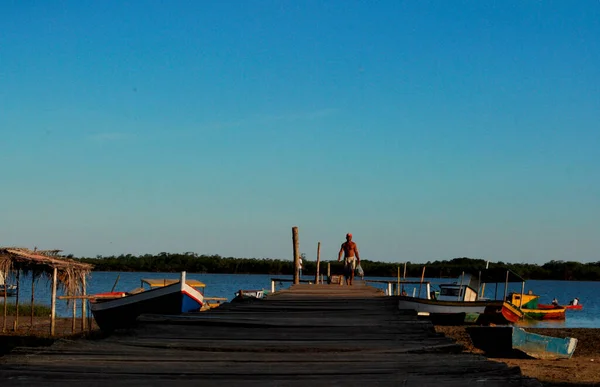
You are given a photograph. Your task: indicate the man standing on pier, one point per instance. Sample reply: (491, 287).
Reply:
(351, 258)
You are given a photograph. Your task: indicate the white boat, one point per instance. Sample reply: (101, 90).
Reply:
(10, 289)
(458, 302)
(118, 310)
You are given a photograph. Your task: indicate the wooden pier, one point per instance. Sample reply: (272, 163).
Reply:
(309, 335)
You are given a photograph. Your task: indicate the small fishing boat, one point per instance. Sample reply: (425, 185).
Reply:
(9, 289)
(574, 307)
(526, 306)
(513, 341)
(118, 310)
(249, 294)
(462, 301)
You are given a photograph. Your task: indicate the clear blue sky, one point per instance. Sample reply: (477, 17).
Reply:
(428, 129)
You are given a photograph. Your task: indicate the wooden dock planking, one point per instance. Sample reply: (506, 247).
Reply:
(324, 335)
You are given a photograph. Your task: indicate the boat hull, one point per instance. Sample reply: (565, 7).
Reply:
(453, 312)
(514, 341)
(11, 290)
(122, 312)
(545, 312)
(574, 307)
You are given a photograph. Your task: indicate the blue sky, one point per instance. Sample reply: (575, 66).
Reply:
(430, 129)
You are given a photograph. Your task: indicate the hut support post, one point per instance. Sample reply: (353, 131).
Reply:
(296, 255)
(272, 286)
(5, 305)
(53, 303)
(389, 289)
(83, 304)
(328, 270)
(74, 324)
(318, 262)
(16, 322)
(32, 298)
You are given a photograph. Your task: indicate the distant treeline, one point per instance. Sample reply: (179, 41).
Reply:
(194, 263)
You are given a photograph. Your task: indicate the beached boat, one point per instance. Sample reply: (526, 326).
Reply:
(249, 294)
(117, 310)
(510, 341)
(459, 302)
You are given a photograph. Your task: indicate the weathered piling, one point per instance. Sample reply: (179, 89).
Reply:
(296, 243)
(318, 262)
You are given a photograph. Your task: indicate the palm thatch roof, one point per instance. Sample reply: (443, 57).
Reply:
(70, 274)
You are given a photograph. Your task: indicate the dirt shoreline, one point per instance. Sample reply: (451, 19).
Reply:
(583, 369)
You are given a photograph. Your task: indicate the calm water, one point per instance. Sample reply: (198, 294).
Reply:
(225, 285)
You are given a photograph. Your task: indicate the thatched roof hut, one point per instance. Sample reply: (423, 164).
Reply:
(70, 274)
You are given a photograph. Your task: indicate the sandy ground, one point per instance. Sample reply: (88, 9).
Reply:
(582, 369)
(41, 326)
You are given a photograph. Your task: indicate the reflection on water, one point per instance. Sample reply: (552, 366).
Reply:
(225, 285)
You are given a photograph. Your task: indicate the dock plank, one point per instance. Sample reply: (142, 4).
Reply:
(308, 335)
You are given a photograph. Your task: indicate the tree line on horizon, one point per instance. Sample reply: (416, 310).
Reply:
(194, 263)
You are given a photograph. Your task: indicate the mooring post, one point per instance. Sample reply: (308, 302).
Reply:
(53, 303)
(318, 262)
(296, 255)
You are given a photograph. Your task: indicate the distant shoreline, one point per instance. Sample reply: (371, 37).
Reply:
(215, 264)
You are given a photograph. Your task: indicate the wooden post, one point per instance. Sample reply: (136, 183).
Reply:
(74, 324)
(272, 286)
(404, 270)
(83, 304)
(421, 283)
(506, 286)
(398, 287)
(53, 304)
(318, 262)
(5, 304)
(296, 255)
(522, 293)
(32, 297)
(16, 322)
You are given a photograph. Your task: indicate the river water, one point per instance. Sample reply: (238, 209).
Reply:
(225, 285)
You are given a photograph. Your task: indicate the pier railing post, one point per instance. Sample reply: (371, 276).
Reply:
(296, 255)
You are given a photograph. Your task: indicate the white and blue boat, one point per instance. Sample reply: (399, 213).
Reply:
(120, 310)
(511, 341)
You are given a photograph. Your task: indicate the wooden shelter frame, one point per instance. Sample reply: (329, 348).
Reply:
(70, 274)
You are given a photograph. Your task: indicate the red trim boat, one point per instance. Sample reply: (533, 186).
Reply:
(575, 307)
